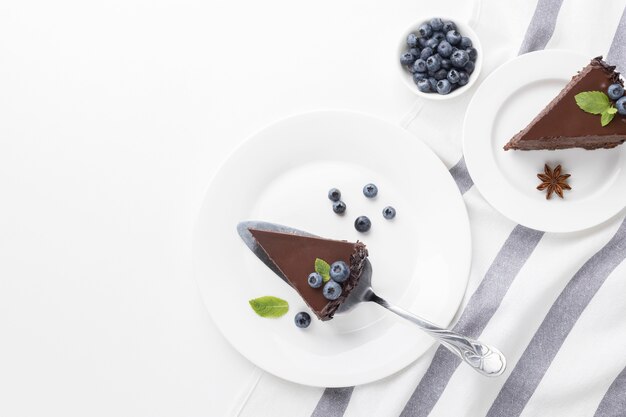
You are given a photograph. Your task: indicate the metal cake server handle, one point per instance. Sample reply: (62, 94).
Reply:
(483, 358)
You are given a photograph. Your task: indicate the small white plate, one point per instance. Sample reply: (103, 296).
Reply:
(503, 105)
(420, 259)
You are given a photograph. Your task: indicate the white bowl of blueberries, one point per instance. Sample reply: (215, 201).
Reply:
(439, 58)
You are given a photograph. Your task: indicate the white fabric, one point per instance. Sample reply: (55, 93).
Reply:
(592, 355)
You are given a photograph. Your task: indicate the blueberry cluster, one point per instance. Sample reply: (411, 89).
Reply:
(362, 223)
(616, 93)
(339, 273)
(439, 57)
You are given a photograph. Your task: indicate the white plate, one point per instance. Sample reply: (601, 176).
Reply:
(420, 259)
(503, 105)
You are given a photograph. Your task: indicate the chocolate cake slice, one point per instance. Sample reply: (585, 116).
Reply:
(295, 256)
(562, 124)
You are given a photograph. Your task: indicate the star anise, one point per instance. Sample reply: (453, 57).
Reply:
(553, 181)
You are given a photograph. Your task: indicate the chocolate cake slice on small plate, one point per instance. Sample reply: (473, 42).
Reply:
(549, 112)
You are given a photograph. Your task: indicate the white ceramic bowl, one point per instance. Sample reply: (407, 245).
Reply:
(465, 30)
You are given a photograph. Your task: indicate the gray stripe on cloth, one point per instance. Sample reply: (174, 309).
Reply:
(617, 52)
(557, 324)
(541, 26)
(333, 403)
(481, 306)
(614, 402)
(461, 176)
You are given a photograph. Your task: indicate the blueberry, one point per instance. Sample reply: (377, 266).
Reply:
(419, 65)
(370, 190)
(411, 40)
(433, 63)
(615, 91)
(422, 42)
(331, 290)
(407, 58)
(466, 42)
(439, 36)
(389, 212)
(415, 51)
(426, 52)
(442, 74)
(448, 26)
(444, 87)
(433, 83)
(315, 280)
(436, 23)
(453, 37)
(423, 86)
(459, 58)
(463, 78)
(425, 30)
(302, 320)
(472, 53)
(453, 76)
(444, 49)
(469, 67)
(417, 76)
(432, 43)
(621, 106)
(446, 64)
(339, 207)
(362, 224)
(334, 194)
(339, 271)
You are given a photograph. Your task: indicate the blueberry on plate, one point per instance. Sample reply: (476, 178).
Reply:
(446, 64)
(425, 30)
(459, 58)
(407, 58)
(453, 76)
(453, 37)
(302, 320)
(334, 194)
(472, 53)
(436, 23)
(332, 290)
(389, 212)
(466, 42)
(423, 85)
(370, 190)
(417, 76)
(448, 26)
(463, 78)
(339, 207)
(444, 87)
(426, 52)
(362, 224)
(419, 65)
(339, 271)
(469, 67)
(315, 280)
(433, 63)
(621, 106)
(442, 74)
(432, 43)
(411, 40)
(444, 49)
(615, 91)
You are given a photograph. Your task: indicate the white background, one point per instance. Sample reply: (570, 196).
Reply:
(113, 117)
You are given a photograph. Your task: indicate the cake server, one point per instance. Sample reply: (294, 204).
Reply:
(483, 358)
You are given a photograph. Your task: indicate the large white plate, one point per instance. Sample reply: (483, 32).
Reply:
(503, 105)
(420, 259)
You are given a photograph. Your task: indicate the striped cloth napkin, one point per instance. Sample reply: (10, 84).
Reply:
(554, 303)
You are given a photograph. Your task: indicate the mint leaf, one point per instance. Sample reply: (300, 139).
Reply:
(269, 306)
(611, 110)
(323, 268)
(594, 102)
(606, 118)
